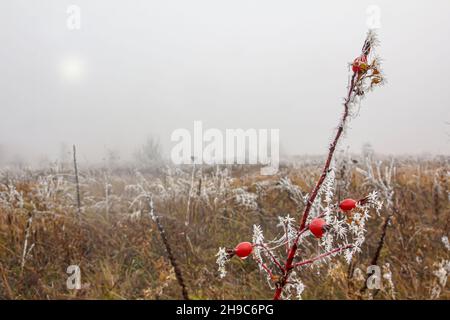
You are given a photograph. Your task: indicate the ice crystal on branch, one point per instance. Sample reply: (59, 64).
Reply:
(289, 230)
(222, 259)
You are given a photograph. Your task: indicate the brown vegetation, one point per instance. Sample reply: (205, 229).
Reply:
(121, 255)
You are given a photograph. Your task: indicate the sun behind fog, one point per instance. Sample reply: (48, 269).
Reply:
(72, 69)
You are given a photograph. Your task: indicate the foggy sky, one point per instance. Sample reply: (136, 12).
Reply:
(141, 68)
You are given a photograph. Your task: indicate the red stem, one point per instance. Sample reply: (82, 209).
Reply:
(289, 261)
(263, 265)
(277, 263)
(319, 183)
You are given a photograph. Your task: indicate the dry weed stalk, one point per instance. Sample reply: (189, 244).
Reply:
(178, 274)
(77, 181)
(26, 251)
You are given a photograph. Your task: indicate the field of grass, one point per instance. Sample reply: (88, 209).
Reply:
(121, 254)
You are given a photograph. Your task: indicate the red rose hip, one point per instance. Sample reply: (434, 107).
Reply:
(317, 227)
(348, 204)
(243, 249)
(359, 64)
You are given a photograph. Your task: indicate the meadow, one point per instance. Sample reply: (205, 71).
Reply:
(111, 236)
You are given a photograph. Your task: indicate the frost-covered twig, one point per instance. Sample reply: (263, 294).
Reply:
(26, 251)
(321, 256)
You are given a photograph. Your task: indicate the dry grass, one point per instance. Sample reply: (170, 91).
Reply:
(121, 255)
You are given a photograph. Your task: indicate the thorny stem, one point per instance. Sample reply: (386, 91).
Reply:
(289, 261)
(333, 145)
(379, 247)
(381, 242)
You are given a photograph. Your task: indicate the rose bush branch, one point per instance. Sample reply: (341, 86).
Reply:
(339, 228)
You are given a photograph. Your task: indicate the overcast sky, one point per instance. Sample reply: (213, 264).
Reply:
(140, 68)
